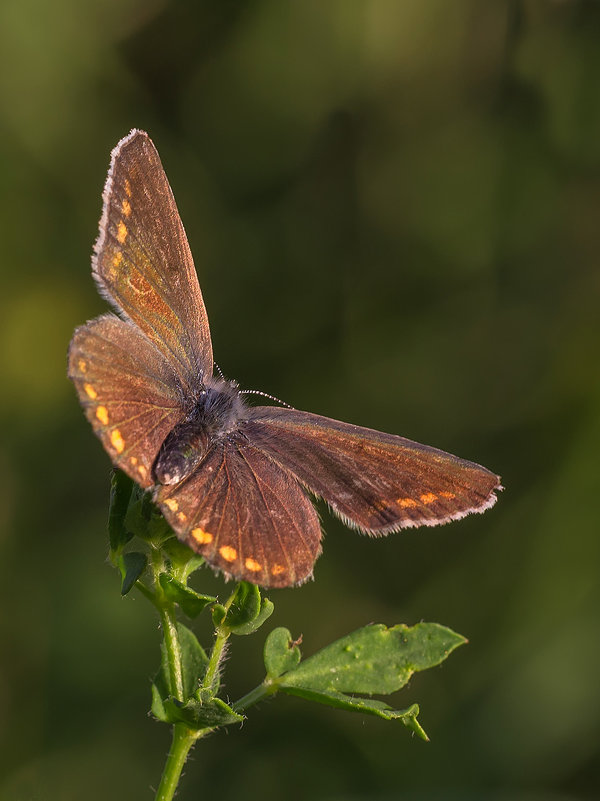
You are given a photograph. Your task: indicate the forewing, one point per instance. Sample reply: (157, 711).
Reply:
(246, 515)
(128, 391)
(142, 261)
(377, 482)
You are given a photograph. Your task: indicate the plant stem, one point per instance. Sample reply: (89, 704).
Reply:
(171, 638)
(268, 687)
(168, 621)
(215, 658)
(183, 740)
(146, 591)
(221, 636)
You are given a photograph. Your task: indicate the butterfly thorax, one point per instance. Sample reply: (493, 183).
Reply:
(215, 414)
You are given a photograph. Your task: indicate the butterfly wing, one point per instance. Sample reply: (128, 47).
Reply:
(129, 392)
(246, 515)
(375, 482)
(142, 261)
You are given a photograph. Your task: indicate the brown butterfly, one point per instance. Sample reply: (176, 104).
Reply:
(232, 480)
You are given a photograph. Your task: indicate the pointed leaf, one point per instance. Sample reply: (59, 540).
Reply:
(133, 565)
(161, 683)
(374, 659)
(158, 707)
(121, 487)
(136, 521)
(193, 666)
(197, 715)
(281, 653)
(365, 705)
(193, 660)
(191, 602)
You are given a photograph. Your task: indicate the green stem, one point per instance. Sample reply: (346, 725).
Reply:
(168, 621)
(268, 687)
(215, 658)
(173, 648)
(222, 635)
(146, 591)
(183, 740)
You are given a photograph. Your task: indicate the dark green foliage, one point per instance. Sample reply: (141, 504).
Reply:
(121, 487)
(133, 565)
(281, 653)
(191, 602)
(374, 659)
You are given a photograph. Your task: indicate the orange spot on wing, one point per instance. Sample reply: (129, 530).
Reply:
(127, 187)
(182, 517)
(201, 536)
(117, 259)
(82, 365)
(121, 232)
(90, 391)
(126, 207)
(253, 565)
(406, 503)
(142, 471)
(228, 553)
(172, 504)
(102, 414)
(448, 495)
(428, 497)
(117, 440)
(277, 570)
(133, 460)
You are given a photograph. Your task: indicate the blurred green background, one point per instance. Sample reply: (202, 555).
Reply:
(394, 209)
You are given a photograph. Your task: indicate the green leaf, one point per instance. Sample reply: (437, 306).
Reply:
(281, 653)
(158, 707)
(133, 565)
(266, 610)
(365, 705)
(219, 613)
(374, 659)
(198, 715)
(193, 660)
(245, 606)
(193, 667)
(246, 612)
(144, 519)
(191, 602)
(136, 521)
(121, 487)
(161, 683)
(183, 560)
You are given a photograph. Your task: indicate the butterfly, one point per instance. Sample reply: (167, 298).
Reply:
(234, 481)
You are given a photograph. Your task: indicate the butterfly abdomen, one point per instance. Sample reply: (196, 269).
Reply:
(215, 414)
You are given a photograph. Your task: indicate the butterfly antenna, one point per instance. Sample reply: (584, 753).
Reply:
(265, 395)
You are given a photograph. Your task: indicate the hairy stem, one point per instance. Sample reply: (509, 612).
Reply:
(216, 654)
(221, 636)
(264, 690)
(183, 740)
(168, 621)
(173, 648)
